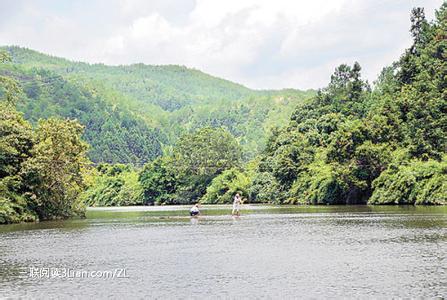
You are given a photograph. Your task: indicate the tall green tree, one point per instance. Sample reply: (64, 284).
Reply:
(16, 142)
(53, 173)
(196, 159)
(159, 180)
(208, 151)
(201, 156)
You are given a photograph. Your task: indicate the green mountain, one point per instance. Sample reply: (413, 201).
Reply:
(132, 113)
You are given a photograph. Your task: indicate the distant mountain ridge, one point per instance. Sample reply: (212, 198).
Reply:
(152, 104)
(155, 81)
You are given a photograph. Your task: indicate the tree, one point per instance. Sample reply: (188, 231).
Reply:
(10, 90)
(184, 176)
(224, 186)
(54, 172)
(113, 185)
(159, 181)
(418, 28)
(200, 156)
(415, 182)
(265, 188)
(208, 152)
(16, 142)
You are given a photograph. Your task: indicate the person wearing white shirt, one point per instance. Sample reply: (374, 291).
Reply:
(236, 205)
(194, 211)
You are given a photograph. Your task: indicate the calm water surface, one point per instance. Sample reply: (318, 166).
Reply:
(269, 252)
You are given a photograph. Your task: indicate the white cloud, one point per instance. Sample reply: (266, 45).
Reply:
(260, 43)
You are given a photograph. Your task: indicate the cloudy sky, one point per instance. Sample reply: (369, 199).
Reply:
(261, 44)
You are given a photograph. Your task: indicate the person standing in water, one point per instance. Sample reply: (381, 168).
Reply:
(236, 205)
(194, 211)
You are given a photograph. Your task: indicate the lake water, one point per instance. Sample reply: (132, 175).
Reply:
(268, 252)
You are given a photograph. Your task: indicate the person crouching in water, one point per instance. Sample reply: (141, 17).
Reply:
(194, 211)
(236, 205)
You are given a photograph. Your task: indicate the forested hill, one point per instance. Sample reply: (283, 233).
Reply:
(169, 86)
(133, 112)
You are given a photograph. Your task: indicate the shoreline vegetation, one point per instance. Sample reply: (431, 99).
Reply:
(350, 143)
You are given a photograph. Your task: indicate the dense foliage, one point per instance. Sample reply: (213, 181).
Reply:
(224, 186)
(418, 182)
(41, 169)
(53, 172)
(351, 144)
(113, 185)
(16, 142)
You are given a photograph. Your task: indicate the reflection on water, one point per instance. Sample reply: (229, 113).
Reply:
(194, 220)
(272, 252)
